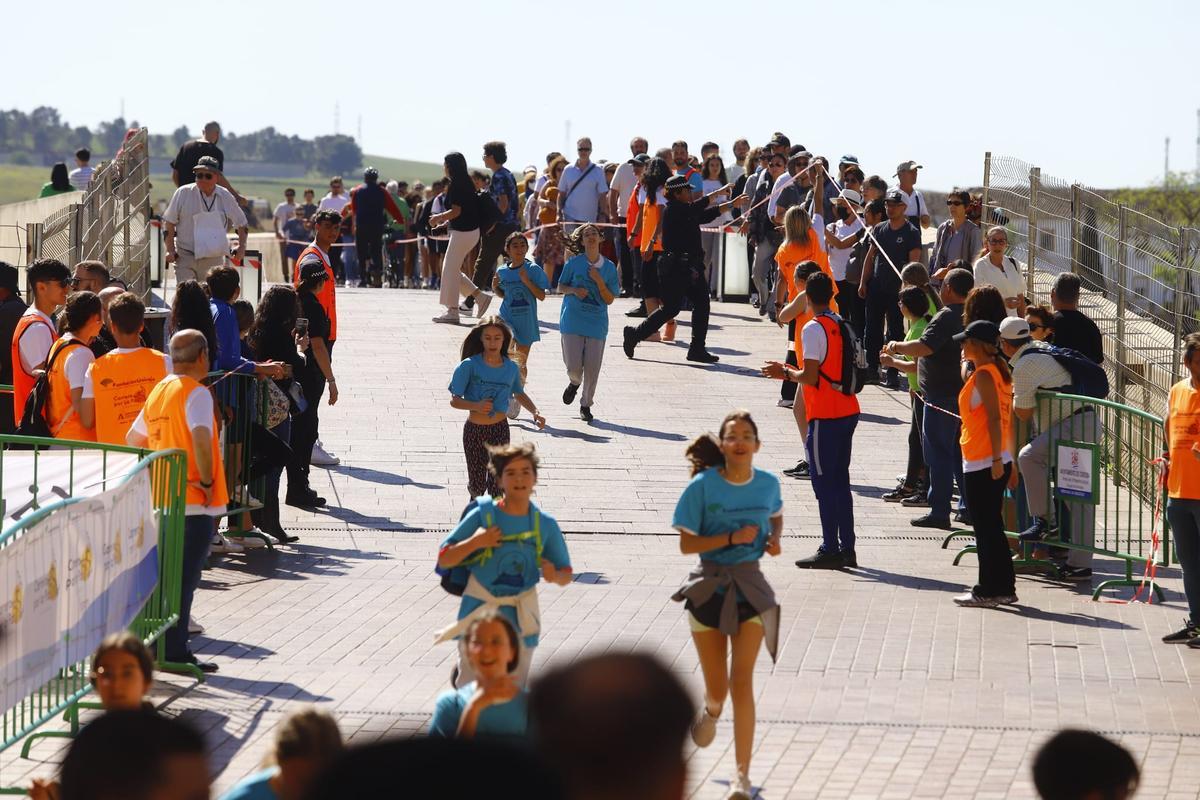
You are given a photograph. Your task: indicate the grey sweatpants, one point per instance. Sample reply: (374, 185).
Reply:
(1034, 459)
(583, 355)
(764, 259)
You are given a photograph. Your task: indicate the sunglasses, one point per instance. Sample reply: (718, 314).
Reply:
(204, 176)
(954, 202)
(1033, 326)
(584, 150)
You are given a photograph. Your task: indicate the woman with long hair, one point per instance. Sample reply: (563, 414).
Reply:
(647, 234)
(984, 302)
(730, 514)
(59, 182)
(549, 251)
(994, 268)
(714, 178)
(985, 405)
(316, 375)
(463, 217)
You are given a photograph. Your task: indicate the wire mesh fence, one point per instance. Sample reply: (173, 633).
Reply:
(1137, 271)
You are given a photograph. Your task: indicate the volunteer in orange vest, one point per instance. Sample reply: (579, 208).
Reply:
(985, 405)
(326, 231)
(67, 416)
(1182, 477)
(180, 414)
(119, 382)
(646, 234)
(49, 280)
(832, 418)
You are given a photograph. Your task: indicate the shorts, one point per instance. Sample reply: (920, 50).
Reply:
(707, 617)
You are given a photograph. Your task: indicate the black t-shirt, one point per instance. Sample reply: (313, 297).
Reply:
(1074, 330)
(465, 197)
(318, 328)
(190, 154)
(681, 225)
(897, 243)
(938, 374)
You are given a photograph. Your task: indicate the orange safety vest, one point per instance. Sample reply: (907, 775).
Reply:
(326, 296)
(632, 209)
(22, 381)
(788, 257)
(650, 214)
(1183, 432)
(974, 439)
(823, 401)
(61, 418)
(167, 427)
(121, 382)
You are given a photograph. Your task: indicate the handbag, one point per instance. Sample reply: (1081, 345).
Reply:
(279, 406)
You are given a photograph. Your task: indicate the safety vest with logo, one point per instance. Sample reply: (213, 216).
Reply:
(1183, 433)
(824, 400)
(61, 417)
(975, 440)
(166, 420)
(121, 382)
(22, 381)
(326, 296)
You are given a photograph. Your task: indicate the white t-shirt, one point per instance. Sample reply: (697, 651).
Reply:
(840, 259)
(284, 212)
(915, 205)
(78, 362)
(660, 199)
(1008, 280)
(80, 177)
(188, 201)
(733, 172)
(333, 202)
(711, 186)
(199, 411)
(36, 341)
(814, 341)
(89, 388)
(623, 182)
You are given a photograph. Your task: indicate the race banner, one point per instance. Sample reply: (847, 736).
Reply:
(56, 475)
(73, 578)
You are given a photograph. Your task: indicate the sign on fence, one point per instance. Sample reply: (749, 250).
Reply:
(74, 577)
(31, 481)
(1077, 477)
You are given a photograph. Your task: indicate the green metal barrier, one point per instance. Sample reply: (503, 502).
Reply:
(242, 407)
(1124, 498)
(168, 476)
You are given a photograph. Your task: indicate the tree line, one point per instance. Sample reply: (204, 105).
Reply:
(42, 137)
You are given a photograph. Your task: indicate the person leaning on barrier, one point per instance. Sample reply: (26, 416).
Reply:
(67, 415)
(49, 279)
(180, 414)
(317, 374)
(197, 219)
(1057, 420)
(1181, 473)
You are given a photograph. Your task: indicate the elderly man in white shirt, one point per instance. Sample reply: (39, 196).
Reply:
(197, 221)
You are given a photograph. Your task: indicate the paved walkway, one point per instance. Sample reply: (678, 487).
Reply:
(883, 687)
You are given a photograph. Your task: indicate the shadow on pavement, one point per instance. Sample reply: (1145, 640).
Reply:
(378, 476)
(631, 430)
(567, 433)
(881, 420)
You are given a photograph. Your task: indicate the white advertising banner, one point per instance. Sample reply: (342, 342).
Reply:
(58, 475)
(73, 578)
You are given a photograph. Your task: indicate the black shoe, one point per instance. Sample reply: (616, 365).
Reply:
(1184, 635)
(585, 413)
(283, 537)
(702, 356)
(1066, 573)
(207, 667)
(962, 517)
(800, 471)
(569, 393)
(850, 558)
(822, 560)
(626, 293)
(871, 379)
(901, 492)
(1039, 531)
(916, 500)
(929, 521)
(630, 341)
(304, 499)
(640, 311)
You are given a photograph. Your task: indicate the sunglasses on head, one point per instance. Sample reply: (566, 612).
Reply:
(206, 176)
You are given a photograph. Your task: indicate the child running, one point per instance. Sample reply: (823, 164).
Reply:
(522, 284)
(305, 744)
(493, 704)
(484, 384)
(589, 282)
(506, 545)
(730, 514)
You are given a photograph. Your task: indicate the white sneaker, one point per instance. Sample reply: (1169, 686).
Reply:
(784, 403)
(514, 409)
(222, 546)
(243, 499)
(249, 542)
(704, 728)
(740, 788)
(194, 627)
(321, 458)
(481, 305)
(447, 318)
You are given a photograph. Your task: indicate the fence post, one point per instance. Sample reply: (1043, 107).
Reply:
(1031, 246)
(984, 218)
(1181, 267)
(75, 230)
(1122, 263)
(1076, 246)
(33, 242)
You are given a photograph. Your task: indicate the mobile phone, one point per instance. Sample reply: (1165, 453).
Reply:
(302, 326)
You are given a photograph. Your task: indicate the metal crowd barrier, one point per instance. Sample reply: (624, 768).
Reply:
(168, 476)
(1111, 480)
(242, 408)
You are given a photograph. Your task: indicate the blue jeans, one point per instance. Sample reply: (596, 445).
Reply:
(829, 443)
(1184, 516)
(350, 261)
(943, 456)
(198, 533)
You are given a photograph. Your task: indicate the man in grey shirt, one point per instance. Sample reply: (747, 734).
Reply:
(197, 219)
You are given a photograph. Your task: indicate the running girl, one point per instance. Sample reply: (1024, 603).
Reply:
(507, 545)
(493, 704)
(729, 514)
(522, 284)
(305, 744)
(485, 383)
(589, 282)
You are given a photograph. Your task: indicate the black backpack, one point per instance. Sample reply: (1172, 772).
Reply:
(1088, 379)
(854, 358)
(489, 212)
(33, 420)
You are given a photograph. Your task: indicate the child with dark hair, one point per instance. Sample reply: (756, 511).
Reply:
(914, 305)
(1081, 765)
(484, 384)
(522, 284)
(494, 704)
(507, 545)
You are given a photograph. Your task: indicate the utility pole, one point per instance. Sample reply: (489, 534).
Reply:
(1167, 162)
(360, 130)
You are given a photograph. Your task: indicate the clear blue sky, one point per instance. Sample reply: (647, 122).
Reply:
(1085, 90)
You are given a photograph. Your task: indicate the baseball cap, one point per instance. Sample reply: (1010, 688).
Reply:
(1014, 328)
(311, 269)
(208, 163)
(982, 330)
(894, 196)
(8, 278)
(905, 166)
(848, 159)
(640, 158)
